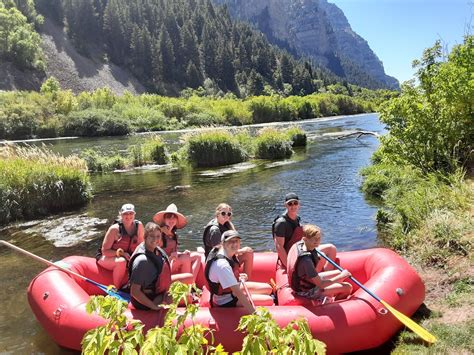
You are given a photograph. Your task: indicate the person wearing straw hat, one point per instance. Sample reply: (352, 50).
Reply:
(185, 265)
(120, 241)
(223, 275)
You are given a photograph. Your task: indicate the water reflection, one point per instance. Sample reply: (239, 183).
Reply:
(324, 175)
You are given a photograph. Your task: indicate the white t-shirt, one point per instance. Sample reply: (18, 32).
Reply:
(222, 273)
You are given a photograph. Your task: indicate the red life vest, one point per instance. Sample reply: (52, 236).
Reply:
(294, 256)
(215, 287)
(170, 244)
(126, 242)
(159, 258)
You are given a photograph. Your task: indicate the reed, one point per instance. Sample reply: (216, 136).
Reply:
(214, 148)
(37, 182)
(297, 136)
(272, 144)
(155, 150)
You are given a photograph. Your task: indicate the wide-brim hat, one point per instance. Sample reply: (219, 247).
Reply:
(159, 217)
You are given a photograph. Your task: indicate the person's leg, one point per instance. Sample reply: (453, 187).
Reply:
(185, 278)
(118, 266)
(246, 259)
(330, 251)
(339, 290)
(259, 288)
(182, 264)
(195, 264)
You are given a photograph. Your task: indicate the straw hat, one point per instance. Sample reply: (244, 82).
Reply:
(159, 217)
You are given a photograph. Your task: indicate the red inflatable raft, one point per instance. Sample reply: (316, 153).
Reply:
(58, 301)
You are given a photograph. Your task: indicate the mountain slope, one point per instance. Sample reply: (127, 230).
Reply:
(318, 30)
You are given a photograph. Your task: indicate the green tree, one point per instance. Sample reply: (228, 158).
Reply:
(432, 124)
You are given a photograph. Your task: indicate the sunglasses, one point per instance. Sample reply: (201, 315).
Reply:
(223, 214)
(293, 203)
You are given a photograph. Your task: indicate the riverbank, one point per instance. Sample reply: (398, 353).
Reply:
(59, 113)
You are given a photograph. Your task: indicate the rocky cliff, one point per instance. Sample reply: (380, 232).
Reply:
(316, 29)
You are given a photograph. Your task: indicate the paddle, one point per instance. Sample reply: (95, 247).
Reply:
(418, 329)
(249, 296)
(122, 296)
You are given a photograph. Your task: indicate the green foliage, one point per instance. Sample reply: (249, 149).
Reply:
(36, 182)
(214, 148)
(431, 125)
(155, 150)
(272, 144)
(98, 163)
(50, 86)
(297, 136)
(462, 290)
(264, 336)
(95, 122)
(119, 335)
(122, 335)
(19, 42)
(426, 215)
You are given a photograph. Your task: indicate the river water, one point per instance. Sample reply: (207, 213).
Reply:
(325, 175)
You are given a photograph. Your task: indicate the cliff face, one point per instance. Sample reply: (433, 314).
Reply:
(318, 30)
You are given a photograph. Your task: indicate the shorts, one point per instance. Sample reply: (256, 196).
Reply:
(230, 304)
(316, 294)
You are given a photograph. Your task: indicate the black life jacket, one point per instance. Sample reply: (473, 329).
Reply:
(215, 287)
(205, 235)
(159, 258)
(295, 236)
(294, 257)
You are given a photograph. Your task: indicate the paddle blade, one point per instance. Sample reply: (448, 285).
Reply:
(416, 328)
(111, 291)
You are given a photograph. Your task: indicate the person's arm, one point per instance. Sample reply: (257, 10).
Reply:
(237, 292)
(137, 293)
(280, 249)
(325, 283)
(109, 240)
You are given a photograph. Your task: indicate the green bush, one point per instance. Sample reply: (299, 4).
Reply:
(95, 122)
(297, 136)
(214, 148)
(155, 150)
(36, 182)
(431, 125)
(272, 144)
(98, 163)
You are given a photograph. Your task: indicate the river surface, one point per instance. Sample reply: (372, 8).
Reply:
(325, 175)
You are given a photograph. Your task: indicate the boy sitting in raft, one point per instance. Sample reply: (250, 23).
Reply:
(222, 275)
(150, 271)
(303, 278)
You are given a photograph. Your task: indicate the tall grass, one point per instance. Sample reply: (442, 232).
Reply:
(215, 148)
(425, 215)
(297, 136)
(272, 144)
(101, 113)
(36, 182)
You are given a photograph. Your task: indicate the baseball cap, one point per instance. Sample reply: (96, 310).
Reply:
(291, 196)
(128, 207)
(228, 235)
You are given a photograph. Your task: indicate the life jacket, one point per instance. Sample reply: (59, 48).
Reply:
(205, 235)
(294, 256)
(126, 242)
(159, 258)
(170, 245)
(295, 236)
(214, 287)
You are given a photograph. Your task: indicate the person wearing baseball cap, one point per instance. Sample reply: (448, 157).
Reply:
(120, 241)
(223, 275)
(287, 230)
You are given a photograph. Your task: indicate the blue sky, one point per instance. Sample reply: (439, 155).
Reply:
(399, 30)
